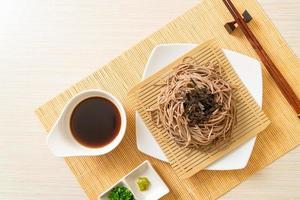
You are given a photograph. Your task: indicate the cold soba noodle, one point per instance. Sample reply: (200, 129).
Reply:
(195, 105)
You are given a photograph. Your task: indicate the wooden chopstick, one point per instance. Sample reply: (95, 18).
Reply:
(277, 76)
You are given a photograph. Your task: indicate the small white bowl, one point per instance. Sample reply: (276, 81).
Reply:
(60, 139)
(156, 190)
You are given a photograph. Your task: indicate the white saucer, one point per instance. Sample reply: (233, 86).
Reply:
(250, 73)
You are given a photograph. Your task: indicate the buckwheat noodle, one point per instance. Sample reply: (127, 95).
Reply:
(181, 122)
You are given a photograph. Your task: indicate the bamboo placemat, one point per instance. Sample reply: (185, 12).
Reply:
(185, 161)
(204, 21)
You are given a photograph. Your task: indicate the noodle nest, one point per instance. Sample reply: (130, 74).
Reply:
(195, 105)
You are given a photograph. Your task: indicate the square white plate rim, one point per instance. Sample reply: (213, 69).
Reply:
(248, 69)
(158, 184)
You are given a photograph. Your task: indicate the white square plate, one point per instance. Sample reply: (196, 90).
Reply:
(248, 69)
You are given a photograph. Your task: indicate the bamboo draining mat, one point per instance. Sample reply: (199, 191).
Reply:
(250, 119)
(205, 21)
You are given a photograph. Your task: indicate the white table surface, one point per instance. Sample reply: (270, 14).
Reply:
(45, 46)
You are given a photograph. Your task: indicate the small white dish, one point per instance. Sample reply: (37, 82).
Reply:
(156, 190)
(60, 139)
(247, 68)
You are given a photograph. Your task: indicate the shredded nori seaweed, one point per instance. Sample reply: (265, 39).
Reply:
(199, 104)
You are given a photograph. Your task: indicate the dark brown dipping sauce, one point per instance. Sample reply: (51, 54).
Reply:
(95, 122)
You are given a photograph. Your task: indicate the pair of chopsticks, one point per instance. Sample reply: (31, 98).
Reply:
(283, 85)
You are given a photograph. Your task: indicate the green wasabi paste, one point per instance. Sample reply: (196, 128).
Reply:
(143, 183)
